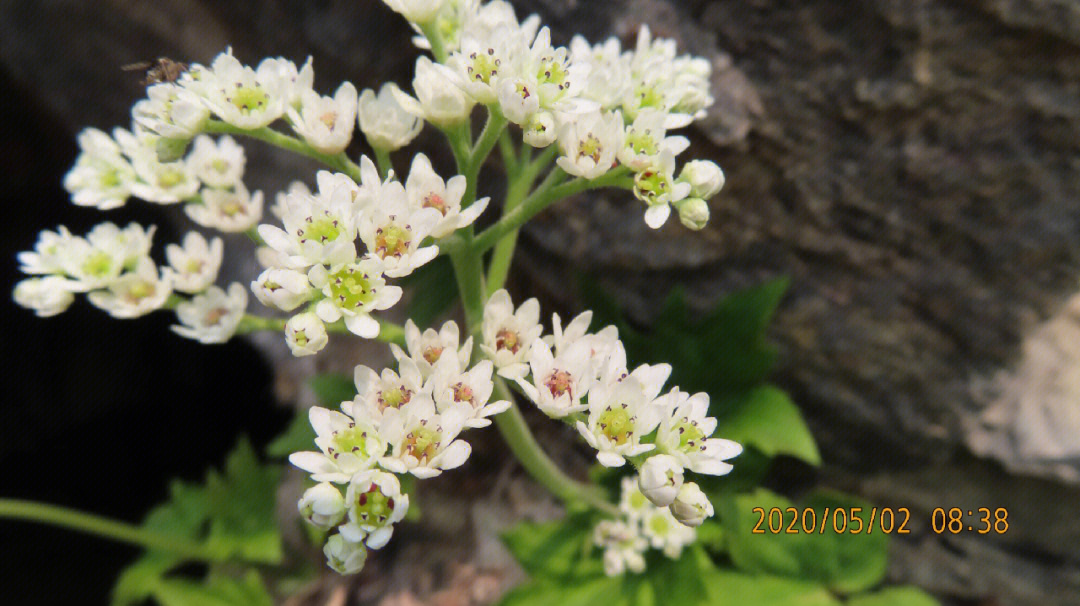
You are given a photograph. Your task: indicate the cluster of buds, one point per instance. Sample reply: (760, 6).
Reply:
(602, 106)
(642, 525)
(403, 421)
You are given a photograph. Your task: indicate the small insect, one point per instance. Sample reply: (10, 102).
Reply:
(163, 69)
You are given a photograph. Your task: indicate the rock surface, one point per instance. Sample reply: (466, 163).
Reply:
(911, 164)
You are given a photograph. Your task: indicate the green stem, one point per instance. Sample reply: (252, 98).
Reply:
(438, 47)
(104, 527)
(382, 160)
(339, 162)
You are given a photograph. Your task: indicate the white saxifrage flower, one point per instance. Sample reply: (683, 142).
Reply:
(657, 187)
(452, 388)
(157, 181)
(666, 533)
(227, 211)
(294, 82)
(170, 111)
(426, 189)
(135, 293)
(691, 506)
(47, 296)
(305, 334)
(646, 138)
(212, 317)
(344, 557)
(384, 122)
(589, 143)
(623, 545)
(609, 76)
(284, 289)
(706, 179)
(540, 130)
(318, 229)
(437, 99)
(684, 432)
(244, 97)
(280, 207)
(374, 503)
(478, 65)
(431, 347)
(509, 334)
(375, 393)
(660, 478)
(417, 11)
(422, 441)
(322, 506)
(49, 254)
(632, 503)
(217, 164)
(97, 260)
(620, 413)
(559, 382)
(560, 80)
(326, 123)
(347, 445)
(353, 292)
(101, 177)
(195, 264)
(393, 229)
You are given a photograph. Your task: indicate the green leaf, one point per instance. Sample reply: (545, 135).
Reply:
(731, 588)
(595, 590)
(241, 503)
(433, 291)
(217, 590)
(299, 435)
(768, 420)
(332, 388)
(553, 549)
(846, 563)
(895, 596)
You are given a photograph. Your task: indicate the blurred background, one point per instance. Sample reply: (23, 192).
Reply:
(911, 165)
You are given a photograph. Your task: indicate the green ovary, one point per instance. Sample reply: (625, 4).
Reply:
(551, 72)
(353, 440)
(350, 289)
(110, 178)
(249, 98)
(650, 97)
(219, 165)
(650, 184)
(392, 241)
(483, 67)
(139, 291)
(616, 425)
(642, 143)
(422, 443)
(689, 435)
(659, 525)
(637, 500)
(170, 178)
(323, 230)
(98, 265)
(590, 147)
(394, 398)
(373, 507)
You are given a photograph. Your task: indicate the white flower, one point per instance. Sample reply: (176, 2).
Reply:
(318, 229)
(660, 478)
(589, 143)
(518, 96)
(540, 130)
(326, 123)
(219, 164)
(619, 415)
(684, 432)
(426, 189)
(345, 557)
(477, 66)
(353, 292)
(135, 293)
(508, 333)
(437, 100)
(47, 296)
(170, 111)
(374, 504)
(385, 123)
(562, 338)
(666, 533)
(483, 21)
(101, 176)
(623, 546)
(452, 388)
(560, 80)
(97, 260)
(322, 506)
(212, 317)
(348, 446)
(227, 211)
(693, 212)
(244, 97)
(284, 289)
(293, 82)
(393, 229)
(646, 138)
(422, 440)
(376, 393)
(559, 382)
(305, 334)
(632, 503)
(429, 348)
(49, 254)
(280, 207)
(691, 506)
(417, 11)
(705, 178)
(163, 182)
(657, 187)
(195, 264)
(609, 76)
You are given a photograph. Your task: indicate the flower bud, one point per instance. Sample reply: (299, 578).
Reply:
(47, 296)
(306, 334)
(691, 506)
(322, 505)
(284, 289)
(344, 556)
(693, 212)
(384, 122)
(705, 178)
(660, 479)
(539, 130)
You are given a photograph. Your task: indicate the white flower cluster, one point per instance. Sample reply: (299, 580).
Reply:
(641, 526)
(601, 105)
(404, 421)
(313, 257)
(112, 265)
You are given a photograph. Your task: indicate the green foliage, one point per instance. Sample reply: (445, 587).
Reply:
(434, 290)
(232, 513)
(332, 388)
(895, 596)
(767, 419)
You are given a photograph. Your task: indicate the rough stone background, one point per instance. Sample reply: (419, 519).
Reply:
(911, 164)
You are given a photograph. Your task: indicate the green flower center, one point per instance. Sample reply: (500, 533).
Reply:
(642, 143)
(193, 266)
(351, 440)
(110, 178)
(649, 185)
(170, 178)
(351, 288)
(232, 208)
(689, 434)
(392, 241)
(139, 291)
(301, 338)
(616, 424)
(483, 66)
(650, 97)
(248, 99)
(98, 265)
(552, 71)
(394, 398)
(591, 148)
(324, 230)
(373, 507)
(219, 165)
(637, 500)
(432, 354)
(659, 525)
(422, 443)
(464, 393)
